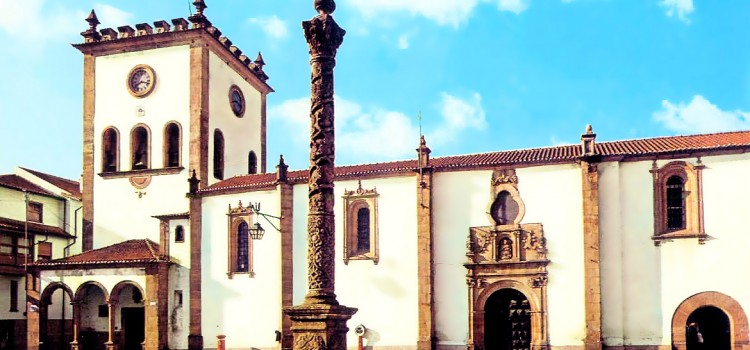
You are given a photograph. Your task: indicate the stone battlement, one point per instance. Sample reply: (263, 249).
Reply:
(197, 22)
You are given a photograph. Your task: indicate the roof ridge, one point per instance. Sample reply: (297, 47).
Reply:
(35, 172)
(654, 138)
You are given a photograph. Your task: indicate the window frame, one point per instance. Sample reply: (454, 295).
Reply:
(235, 217)
(179, 229)
(13, 296)
(44, 247)
(111, 145)
(168, 144)
(39, 205)
(354, 201)
(133, 144)
(692, 201)
(219, 147)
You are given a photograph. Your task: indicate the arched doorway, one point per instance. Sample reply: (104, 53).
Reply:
(708, 328)
(714, 313)
(129, 315)
(92, 320)
(56, 317)
(507, 321)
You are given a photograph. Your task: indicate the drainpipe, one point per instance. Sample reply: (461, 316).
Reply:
(66, 250)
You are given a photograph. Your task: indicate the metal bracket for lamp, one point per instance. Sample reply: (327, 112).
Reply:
(257, 231)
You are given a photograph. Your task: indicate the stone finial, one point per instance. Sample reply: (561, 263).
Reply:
(126, 31)
(281, 170)
(423, 152)
(325, 6)
(144, 29)
(200, 5)
(259, 61)
(199, 19)
(93, 20)
(91, 35)
(194, 181)
(588, 142)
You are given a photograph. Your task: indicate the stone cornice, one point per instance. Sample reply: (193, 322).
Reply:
(111, 42)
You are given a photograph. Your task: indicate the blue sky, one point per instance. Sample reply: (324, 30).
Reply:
(486, 75)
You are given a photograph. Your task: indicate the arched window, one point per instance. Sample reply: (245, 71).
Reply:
(139, 148)
(218, 154)
(363, 230)
(675, 203)
(179, 234)
(242, 247)
(172, 145)
(252, 163)
(678, 202)
(361, 224)
(110, 147)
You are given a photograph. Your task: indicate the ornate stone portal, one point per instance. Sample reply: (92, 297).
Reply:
(320, 322)
(507, 256)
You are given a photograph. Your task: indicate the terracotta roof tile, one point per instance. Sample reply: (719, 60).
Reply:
(18, 183)
(134, 251)
(17, 226)
(678, 145)
(70, 186)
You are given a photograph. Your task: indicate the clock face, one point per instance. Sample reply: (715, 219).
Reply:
(236, 101)
(141, 80)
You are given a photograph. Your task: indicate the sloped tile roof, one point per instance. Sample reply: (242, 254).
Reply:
(70, 186)
(18, 183)
(134, 251)
(738, 141)
(17, 226)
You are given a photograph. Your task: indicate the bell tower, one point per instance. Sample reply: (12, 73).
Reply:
(161, 100)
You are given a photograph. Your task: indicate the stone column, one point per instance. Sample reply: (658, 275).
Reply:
(76, 323)
(320, 322)
(110, 343)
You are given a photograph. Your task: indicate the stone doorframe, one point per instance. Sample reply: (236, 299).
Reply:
(737, 319)
(507, 257)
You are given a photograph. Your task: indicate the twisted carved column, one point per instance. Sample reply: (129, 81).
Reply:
(323, 37)
(320, 322)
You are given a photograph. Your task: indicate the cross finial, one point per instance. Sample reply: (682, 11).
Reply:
(325, 6)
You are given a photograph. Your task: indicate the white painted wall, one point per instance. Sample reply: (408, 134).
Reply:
(60, 306)
(120, 214)
(389, 288)
(5, 313)
(247, 309)
(241, 135)
(13, 206)
(179, 251)
(179, 315)
(653, 281)
(459, 202)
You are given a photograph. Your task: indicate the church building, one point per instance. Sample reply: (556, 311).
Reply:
(190, 241)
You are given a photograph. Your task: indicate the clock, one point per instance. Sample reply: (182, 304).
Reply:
(237, 101)
(141, 80)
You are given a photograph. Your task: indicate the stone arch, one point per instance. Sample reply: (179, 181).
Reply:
(536, 306)
(737, 319)
(115, 294)
(51, 288)
(81, 291)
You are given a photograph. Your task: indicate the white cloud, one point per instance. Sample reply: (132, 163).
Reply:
(272, 26)
(378, 134)
(515, 6)
(111, 16)
(27, 22)
(403, 42)
(700, 116)
(444, 12)
(458, 114)
(681, 8)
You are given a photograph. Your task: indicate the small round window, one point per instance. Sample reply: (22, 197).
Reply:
(237, 101)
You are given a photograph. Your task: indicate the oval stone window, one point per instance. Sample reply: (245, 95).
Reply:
(505, 209)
